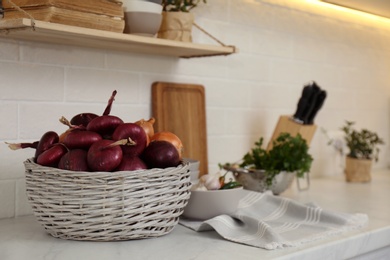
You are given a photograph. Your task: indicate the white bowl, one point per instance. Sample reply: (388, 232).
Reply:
(194, 176)
(142, 23)
(141, 6)
(204, 205)
(194, 164)
(194, 168)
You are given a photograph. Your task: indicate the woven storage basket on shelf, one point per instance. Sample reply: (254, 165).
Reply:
(107, 206)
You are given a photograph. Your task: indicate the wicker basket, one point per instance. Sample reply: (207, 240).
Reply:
(107, 206)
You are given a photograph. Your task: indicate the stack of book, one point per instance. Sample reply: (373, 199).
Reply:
(105, 15)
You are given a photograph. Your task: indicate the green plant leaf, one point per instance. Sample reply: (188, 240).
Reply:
(362, 144)
(290, 154)
(180, 5)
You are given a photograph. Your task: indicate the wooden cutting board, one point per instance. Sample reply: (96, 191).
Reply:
(181, 109)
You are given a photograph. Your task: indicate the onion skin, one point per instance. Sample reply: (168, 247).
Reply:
(17, 146)
(74, 160)
(83, 119)
(66, 122)
(136, 133)
(107, 111)
(169, 137)
(79, 139)
(104, 125)
(161, 154)
(52, 156)
(130, 163)
(64, 134)
(47, 140)
(148, 127)
(103, 157)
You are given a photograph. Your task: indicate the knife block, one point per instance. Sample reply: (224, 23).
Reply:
(287, 125)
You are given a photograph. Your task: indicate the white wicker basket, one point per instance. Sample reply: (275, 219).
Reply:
(107, 206)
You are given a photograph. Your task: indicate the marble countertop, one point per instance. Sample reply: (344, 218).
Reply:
(24, 238)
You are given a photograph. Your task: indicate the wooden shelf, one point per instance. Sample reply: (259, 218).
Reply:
(24, 29)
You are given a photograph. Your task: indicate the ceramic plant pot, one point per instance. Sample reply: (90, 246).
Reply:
(357, 170)
(176, 26)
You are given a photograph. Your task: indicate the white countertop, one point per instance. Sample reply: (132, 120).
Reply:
(23, 237)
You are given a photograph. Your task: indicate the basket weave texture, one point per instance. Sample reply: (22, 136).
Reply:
(107, 206)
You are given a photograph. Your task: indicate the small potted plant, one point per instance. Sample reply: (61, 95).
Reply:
(275, 169)
(363, 149)
(177, 20)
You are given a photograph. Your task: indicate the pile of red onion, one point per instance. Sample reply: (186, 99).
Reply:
(106, 143)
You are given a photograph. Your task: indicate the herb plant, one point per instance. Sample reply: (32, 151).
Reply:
(180, 5)
(257, 158)
(290, 154)
(362, 144)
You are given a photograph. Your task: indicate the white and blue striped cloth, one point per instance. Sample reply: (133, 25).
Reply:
(267, 221)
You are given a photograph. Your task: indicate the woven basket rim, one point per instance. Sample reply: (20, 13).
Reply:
(53, 170)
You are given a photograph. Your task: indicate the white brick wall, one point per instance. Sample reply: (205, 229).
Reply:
(282, 45)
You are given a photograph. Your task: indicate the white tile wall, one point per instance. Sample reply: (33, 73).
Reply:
(282, 45)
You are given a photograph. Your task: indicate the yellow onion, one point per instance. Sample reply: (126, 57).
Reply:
(148, 128)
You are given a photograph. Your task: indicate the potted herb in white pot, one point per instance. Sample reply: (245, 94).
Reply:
(262, 170)
(363, 149)
(177, 20)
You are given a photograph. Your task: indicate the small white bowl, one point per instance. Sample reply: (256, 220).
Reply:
(194, 164)
(141, 6)
(204, 205)
(142, 23)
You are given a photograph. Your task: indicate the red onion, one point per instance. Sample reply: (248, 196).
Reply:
(74, 160)
(82, 139)
(104, 125)
(82, 119)
(52, 156)
(47, 140)
(161, 154)
(130, 163)
(133, 132)
(103, 157)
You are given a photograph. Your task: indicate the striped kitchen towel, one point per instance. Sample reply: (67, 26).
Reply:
(267, 221)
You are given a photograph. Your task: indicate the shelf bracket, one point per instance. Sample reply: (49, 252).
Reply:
(2, 12)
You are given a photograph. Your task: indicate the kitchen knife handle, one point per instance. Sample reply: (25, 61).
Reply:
(318, 104)
(311, 102)
(302, 103)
